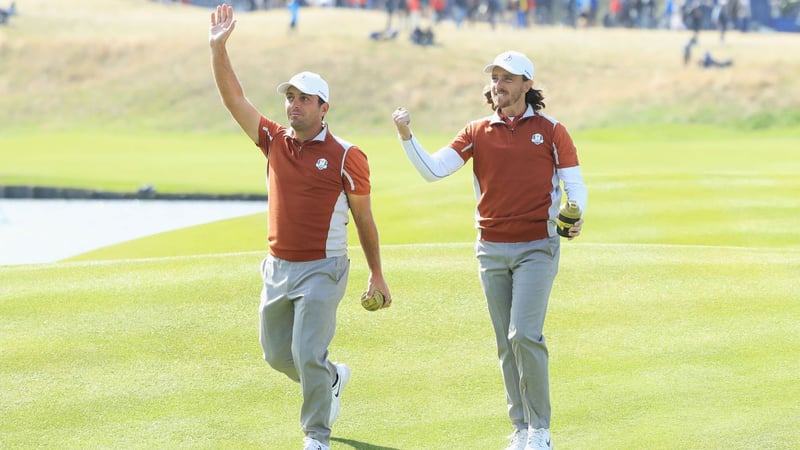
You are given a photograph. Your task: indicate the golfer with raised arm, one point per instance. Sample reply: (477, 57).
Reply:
(520, 158)
(315, 179)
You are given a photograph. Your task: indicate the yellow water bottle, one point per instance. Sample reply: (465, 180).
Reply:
(567, 216)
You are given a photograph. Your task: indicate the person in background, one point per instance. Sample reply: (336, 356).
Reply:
(294, 13)
(720, 18)
(709, 61)
(520, 158)
(6, 13)
(693, 16)
(315, 178)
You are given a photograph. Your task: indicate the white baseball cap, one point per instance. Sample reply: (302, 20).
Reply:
(308, 83)
(514, 62)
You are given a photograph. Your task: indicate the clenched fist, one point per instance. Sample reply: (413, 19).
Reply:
(402, 120)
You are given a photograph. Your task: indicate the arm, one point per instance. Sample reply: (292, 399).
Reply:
(573, 184)
(230, 90)
(361, 209)
(576, 190)
(432, 167)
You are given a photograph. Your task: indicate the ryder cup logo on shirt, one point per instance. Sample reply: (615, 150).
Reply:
(322, 164)
(537, 139)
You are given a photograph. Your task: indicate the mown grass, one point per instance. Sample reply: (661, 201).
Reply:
(651, 346)
(176, 162)
(671, 324)
(665, 185)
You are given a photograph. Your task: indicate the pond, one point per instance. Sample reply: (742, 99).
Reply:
(42, 230)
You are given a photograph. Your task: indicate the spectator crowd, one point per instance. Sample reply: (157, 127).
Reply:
(694, 15)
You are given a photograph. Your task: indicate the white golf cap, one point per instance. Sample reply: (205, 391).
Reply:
(514, 62)
(308, 83)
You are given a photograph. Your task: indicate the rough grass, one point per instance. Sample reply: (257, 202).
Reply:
(134, 64)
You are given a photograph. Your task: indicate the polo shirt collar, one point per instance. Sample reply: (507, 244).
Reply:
(318, 137)
(322, 133)
(495, 118)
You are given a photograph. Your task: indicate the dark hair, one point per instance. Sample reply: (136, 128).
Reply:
(533, 97)
(321, 102)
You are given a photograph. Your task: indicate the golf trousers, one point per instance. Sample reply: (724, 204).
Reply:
(517, 278)
(297, 323)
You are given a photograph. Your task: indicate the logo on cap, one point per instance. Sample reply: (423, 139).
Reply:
(514, 62)
(308, 83)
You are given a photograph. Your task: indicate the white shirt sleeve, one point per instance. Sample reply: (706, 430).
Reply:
(432, 167)
(573, 184)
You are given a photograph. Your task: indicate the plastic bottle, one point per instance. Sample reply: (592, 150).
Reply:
(567, 216)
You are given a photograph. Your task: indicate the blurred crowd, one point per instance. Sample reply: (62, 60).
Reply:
(666, 14)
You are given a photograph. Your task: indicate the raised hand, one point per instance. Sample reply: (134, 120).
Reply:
(402, 120)
(222, 25)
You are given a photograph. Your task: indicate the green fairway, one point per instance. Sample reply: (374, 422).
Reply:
(673, 320)
(671, 324)
(651, 347)
(171, 162)
(655, 185)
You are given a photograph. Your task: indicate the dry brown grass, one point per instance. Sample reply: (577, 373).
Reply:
(138, 64)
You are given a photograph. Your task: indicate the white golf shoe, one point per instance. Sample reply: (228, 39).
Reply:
(518, 439)
(539, 439)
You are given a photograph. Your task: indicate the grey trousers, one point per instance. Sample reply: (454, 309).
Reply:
(297, 323)
(517, 279)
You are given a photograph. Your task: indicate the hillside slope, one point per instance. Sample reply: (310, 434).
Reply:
(139, 65)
